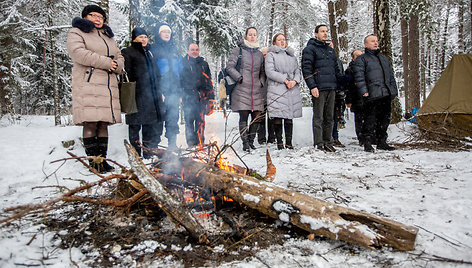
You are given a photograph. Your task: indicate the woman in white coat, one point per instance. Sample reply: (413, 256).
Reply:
(284, 101)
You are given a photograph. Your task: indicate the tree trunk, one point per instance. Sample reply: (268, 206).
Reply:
(197, 34)
(445, 35)
(134, 15)
(247, 18)
(423, 58)
(332, 26)
(382, 27)
(404, 32)
(341, 17)
(5, 69)
(430, 65)
(381, 13)
(460, 35)
(285, 6)
(306, 212)
(413, 64)
(57, 104)
(105, 5)
(271, 21)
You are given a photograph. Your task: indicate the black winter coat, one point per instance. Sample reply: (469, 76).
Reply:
(319, 66)
(352, 96)
(196, 81)
(141, 68)
(374, 74)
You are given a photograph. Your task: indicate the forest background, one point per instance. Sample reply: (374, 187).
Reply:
(420, 37)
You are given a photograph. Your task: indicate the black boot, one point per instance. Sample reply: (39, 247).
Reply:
(102, 148)
(90, 146)
(384, 146)
(252, 134)
(278, 136)
(368, 147)
(243, 132)
(288, 135)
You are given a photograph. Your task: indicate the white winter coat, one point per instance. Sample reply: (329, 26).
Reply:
(281, 64)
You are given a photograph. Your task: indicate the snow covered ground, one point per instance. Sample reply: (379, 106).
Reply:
(427, 189)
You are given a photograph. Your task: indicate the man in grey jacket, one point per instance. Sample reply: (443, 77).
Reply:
(375, 82)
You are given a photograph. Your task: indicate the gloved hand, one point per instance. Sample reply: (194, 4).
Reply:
(240, 80)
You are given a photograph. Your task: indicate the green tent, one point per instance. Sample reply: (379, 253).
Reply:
(448, 108)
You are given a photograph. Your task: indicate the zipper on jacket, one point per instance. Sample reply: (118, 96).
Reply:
(108, 82)
(252, 81)
(90, 74)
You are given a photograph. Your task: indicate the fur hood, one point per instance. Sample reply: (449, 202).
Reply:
(87, 26)
(277, 49)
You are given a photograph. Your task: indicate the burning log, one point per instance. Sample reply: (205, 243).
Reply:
(172, 207)
(308, 213)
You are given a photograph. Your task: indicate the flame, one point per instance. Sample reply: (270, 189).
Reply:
(227, 199)
(188, 196)
(206, 215)
(223, 163)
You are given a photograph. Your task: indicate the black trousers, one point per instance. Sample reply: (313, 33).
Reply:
(194, 123)
(261, 132)
(358, 123)
(172, 105)
(151, 135)
(253, 125)
(377, 119)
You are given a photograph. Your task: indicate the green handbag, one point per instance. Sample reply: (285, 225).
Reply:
(127, 95)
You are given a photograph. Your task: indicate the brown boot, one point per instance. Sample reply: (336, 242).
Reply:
(337, 143)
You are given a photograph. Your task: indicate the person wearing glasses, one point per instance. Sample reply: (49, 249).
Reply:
(95, 97)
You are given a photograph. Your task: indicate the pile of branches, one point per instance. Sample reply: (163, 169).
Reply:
(87, 213)
(438, 138)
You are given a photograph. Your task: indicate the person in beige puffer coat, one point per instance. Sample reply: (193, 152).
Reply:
(95, 96)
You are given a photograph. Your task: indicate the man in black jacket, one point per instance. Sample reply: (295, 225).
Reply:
(198, 94)
(320, 71)
(376, 83)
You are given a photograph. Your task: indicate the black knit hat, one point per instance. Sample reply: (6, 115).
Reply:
(93, 8)
(137, 32)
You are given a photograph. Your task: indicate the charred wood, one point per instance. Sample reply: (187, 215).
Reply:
(306, 212)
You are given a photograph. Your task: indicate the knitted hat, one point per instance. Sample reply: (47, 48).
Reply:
(93, 8)
(164, 27)
(137, 32)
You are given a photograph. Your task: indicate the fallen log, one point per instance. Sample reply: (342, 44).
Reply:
(308, 213)
(175, 209)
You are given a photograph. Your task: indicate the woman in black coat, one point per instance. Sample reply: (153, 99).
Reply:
(141, 68)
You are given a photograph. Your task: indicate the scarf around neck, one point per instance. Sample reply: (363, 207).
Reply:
(251, 45)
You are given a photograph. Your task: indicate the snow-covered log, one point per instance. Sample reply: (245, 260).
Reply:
(172, 207)
(309, 213)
